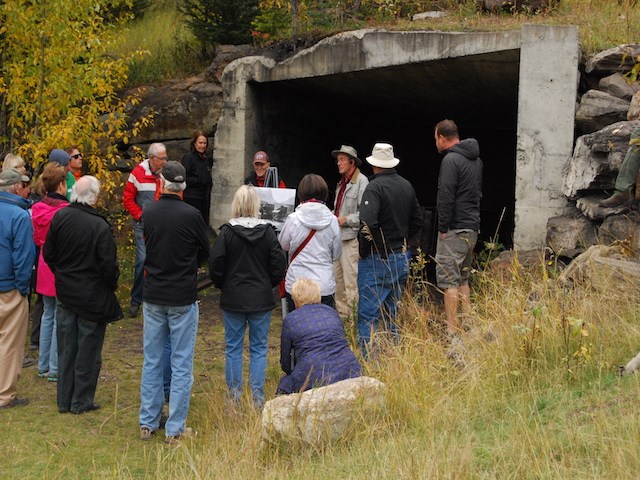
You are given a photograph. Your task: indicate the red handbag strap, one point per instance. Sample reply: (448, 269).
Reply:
(302, 245)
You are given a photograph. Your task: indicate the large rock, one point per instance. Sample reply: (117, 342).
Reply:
(321, 414)
(181, 107)
(618, 59)
(225, 54)
(510, 5)
(598, 109)
(570, 235)
(604, 268)
(590, 207)
(616, 228)
(618, 86)
(596, 159)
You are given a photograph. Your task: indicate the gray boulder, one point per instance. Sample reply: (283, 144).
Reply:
(617, 59)
(596, 159)
(571, 234)
(598, 109)
(590, 208)
(618, 86)
(321, 414)
(509, 5)
(616, 228)
(181, 107)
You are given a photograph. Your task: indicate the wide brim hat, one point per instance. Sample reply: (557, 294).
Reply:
(382, 156)
(349, 151)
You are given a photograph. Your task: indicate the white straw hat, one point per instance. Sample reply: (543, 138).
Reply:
(382, 156)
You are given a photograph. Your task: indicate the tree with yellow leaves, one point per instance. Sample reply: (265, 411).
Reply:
(58, 84)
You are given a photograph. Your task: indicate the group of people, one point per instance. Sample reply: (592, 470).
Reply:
(352, 260)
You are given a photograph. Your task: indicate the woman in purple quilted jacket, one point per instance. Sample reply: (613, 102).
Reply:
(314, 351)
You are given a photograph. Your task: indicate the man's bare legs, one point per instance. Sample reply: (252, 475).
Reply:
(452, 297)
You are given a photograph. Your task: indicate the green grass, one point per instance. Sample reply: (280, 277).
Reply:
(531, 403)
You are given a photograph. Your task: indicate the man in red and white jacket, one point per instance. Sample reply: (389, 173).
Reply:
(142, 187)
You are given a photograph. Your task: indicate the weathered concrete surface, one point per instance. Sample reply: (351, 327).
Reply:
(548, 70)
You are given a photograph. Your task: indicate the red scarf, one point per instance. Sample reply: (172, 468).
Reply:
(340, 196)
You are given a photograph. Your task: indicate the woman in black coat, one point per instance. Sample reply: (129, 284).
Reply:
(198, 165)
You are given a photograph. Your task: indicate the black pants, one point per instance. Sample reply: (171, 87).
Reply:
(79, 359)
(202, 204)
(36, 316)
(328, 300)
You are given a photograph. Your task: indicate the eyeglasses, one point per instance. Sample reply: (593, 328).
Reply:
(76, 156)
(25, 184)
(162, 159)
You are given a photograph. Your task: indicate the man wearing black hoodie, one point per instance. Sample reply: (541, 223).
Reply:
(459, 194)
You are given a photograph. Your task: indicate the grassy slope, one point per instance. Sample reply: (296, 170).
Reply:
(529, 405)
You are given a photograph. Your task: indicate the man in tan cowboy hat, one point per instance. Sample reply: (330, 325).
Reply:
(389, 215)
(349, 193)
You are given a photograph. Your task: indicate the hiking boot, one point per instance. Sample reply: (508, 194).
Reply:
(173, 439)
(28, 361)
(89, 408)
(16, 402)
(134, 308)
(146, 433)
(617, 199)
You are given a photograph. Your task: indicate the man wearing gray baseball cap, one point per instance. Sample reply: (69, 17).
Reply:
(18, 253)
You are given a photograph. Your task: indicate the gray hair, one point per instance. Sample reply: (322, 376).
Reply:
(155, 149)
(8, 188)
(86, 191)
(175, 187)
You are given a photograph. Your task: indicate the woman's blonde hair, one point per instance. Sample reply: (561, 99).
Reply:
(305, 292)
(14, 161)
(246, 202)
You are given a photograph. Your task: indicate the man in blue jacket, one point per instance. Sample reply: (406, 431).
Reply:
(17, 253)
(458, 204)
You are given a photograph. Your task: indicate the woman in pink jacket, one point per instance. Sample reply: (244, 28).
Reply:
(54, 179)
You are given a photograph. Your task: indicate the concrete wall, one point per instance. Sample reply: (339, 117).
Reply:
(546, 101)
(546, 112)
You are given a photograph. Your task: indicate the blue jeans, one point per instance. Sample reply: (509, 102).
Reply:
(166, 369)
(48, 355)
(235, 324)
(138, 272)
(380, 285)
(181, 325)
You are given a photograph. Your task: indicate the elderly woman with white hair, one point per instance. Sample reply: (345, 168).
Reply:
(246, 262)
(314, 351)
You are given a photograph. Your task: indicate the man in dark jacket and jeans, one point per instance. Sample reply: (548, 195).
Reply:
(81, 252)
(459, 194)
(389, 215)
(176, 241)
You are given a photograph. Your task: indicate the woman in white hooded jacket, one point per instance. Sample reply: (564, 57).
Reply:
(311, 236)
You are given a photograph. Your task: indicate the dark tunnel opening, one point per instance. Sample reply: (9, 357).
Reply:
(299, 122)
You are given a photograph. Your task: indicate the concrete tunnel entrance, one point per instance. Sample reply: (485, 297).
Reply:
(350, 90)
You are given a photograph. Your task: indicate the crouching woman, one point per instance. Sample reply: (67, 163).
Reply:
(314, 351)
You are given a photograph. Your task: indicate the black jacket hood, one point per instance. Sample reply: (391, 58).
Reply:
(469, 148)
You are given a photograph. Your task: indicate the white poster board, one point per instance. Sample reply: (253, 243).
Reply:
(276, 204)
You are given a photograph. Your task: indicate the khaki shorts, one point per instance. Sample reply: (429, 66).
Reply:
(453, 258)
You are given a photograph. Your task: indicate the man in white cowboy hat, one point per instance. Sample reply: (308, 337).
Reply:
(349, 193)
(389, 215)
(459, 195)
